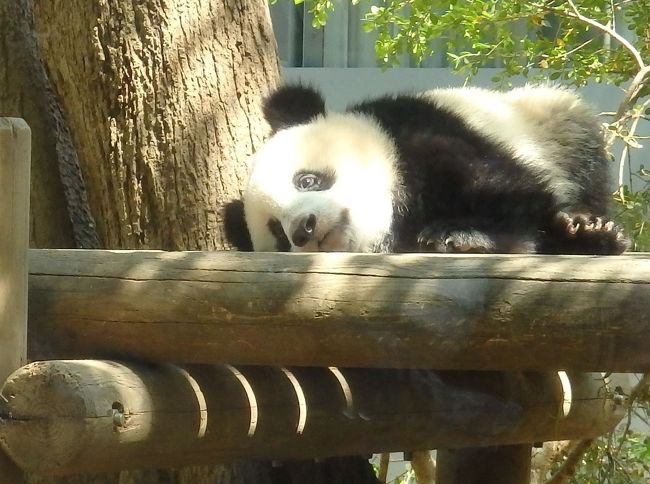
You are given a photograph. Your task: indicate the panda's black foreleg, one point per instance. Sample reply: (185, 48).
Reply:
(580, 233)
(448, 238)
(444, 239)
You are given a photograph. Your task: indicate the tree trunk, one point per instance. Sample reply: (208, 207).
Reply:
(58, 198)
(164, 119)
(144, 114)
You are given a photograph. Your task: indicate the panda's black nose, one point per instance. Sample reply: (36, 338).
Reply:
(304, 231)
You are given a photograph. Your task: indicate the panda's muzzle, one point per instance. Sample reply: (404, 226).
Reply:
(304, 231)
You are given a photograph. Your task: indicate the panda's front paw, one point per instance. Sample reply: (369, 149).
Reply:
(588, 234)
(433, 239)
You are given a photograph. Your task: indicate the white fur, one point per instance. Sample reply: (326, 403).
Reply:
(363, 158)
(536, 122)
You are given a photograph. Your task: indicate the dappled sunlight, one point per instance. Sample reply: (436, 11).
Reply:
(493, 312)
(200, 400)
(147, 415)
(127, 389)
(6, 295)
(6, 287)
(567, 394)
(192, 103)
(506, 306)
(345, 388)
(302, 402)
(252, 400)
(594, 400)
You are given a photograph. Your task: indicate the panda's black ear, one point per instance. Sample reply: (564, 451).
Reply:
(291, 105)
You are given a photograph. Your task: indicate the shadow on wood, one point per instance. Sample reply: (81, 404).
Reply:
(491, 312)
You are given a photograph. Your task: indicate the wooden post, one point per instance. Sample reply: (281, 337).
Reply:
(446, 312)
(509, 464)
(92, 416)
(15, 156)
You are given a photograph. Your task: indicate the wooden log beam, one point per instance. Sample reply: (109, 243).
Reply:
(73, 416)
(492, 312)
(15, 157)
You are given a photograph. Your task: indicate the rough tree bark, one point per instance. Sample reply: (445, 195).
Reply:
(144, 114)
(58, 193)
(163, 119)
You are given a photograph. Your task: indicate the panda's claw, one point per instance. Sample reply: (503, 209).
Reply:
(438, 239)
(598, 225)
(586, 234)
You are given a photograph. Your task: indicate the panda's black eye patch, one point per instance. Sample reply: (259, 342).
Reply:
(313, 181)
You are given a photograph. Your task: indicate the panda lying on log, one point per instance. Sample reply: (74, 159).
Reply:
(448, 170)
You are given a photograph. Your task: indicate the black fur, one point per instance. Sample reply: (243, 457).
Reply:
(282, 242)
(235, 226)
(291, 105)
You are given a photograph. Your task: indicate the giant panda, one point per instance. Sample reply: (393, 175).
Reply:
(447, 170)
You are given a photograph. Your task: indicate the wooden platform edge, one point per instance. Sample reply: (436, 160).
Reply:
(492, 312)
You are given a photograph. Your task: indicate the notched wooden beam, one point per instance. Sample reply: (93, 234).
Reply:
(66, 417)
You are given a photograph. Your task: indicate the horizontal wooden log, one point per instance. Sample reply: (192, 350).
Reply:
(62, 417)
(491, 312)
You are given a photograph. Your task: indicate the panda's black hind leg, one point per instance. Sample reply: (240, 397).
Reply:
(581, 233)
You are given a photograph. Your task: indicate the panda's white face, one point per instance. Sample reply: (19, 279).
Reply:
(328, 185)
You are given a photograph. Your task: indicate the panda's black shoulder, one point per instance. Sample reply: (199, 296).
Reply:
(398, 109)
(411, 119)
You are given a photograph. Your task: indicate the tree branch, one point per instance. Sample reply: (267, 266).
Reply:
(627, 140)
(605, 29)
(639, 81)
(384, 461)
(580, 448)
(566, 471)
(633, 92)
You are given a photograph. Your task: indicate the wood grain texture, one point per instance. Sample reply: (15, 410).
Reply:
(25, 92)
(15, 150)
(466, 312)
(10, 473)
(61, 413)
(15, 144)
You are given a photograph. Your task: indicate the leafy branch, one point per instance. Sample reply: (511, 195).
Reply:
(575, 13)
